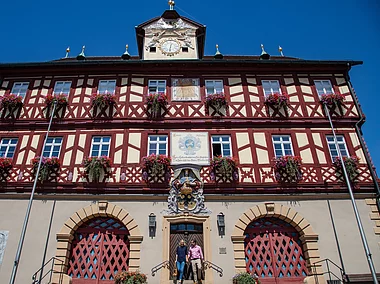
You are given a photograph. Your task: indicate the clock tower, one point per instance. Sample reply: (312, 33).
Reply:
(170, 37)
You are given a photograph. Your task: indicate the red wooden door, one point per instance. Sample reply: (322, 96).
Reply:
(273, 251)
(100, 250)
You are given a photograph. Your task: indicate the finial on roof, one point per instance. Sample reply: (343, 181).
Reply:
(280, 50)
(126, 54)
(218, 55)
(67, 52)
(264, 55)
(81, 55)
(171, 4)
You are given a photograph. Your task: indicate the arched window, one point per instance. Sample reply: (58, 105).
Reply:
(99, 251)
(273, 251)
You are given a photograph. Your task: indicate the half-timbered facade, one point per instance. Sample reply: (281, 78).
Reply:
(96, 228)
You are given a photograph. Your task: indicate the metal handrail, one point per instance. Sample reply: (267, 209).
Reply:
(218, 269)
(49, 272)
(342, 278)
(164, 264)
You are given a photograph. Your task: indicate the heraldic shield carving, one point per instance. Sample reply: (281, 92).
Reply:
(186, 192)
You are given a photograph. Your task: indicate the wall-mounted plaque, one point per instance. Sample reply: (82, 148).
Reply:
(190, 148)
(185, 89)
(3, 243)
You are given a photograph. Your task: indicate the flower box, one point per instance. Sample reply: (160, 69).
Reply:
(49, 168)
(156, 168)
(245, 278)
(5, 167)
(277, 100)
(216, 102)
(287, 169)
(62, 102)
(351, 164)
(129, 277)
(95, 167)
(101, 103)
(332, 100)
(11, 105)
(225, 168)
(156, 103)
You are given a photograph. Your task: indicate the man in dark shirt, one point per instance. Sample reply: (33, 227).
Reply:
(181, 258)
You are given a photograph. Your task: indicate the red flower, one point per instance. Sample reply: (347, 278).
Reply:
(277, 99)
(10, 100)
(61, 99)
(332, 99)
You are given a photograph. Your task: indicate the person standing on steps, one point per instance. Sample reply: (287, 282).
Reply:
(181, 259)
(196, 257)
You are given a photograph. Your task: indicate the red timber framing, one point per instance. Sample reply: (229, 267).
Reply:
(242, 77)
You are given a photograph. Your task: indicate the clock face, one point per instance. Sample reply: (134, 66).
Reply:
(170, 47)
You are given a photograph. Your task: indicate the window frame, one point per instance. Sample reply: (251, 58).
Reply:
(271, 89)
(214, 91)
(8, 146)
(101, 143)
(52, 144)
(18, 94)
(157, 86)
(106, 91)
(339, 143)
(324, 89)
(220, 142)
(60, 93)
(158, 142)
(282, 143)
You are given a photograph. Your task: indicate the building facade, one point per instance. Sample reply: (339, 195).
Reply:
(128, 212)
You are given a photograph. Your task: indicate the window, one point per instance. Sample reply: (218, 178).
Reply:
(214, 87)
(157, 144)
(282, 145)
(20, 89)
(323, 87)
(157, 86)
(100, 146)
(333, 149)
(107, 86)
(62, 87)
(221, 145)
(7, 147)
(271, 87)
(52, 147)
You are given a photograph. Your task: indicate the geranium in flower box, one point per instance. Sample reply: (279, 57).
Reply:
(156, 166)
(95, 166)
(332, 99)
(61, 99)
(351, 164)
(287, 169)
(217, 101)
(277, 100)
(155, 103)
(130, 277)
(11, 101)
(225, 167)
(103, 100)
(245, 278)
(49, 166)
(5, 167)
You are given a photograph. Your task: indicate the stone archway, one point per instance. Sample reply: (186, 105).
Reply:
(101, 209)
(307, 235)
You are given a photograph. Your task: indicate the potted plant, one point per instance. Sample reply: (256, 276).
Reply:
(60, 99)
(217, 101)
(332, 100)
(5, 167)
(288, 169)
(277, 100)
(11, 105)
(101, 102)
(156, 166)
(128, 277)
(95, 166)
(48, 167)
(351, 164)
(224, 166)
(155, 103)
(245, 278)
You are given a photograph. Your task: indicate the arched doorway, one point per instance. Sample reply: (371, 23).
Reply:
(100, 249)
(273, 251)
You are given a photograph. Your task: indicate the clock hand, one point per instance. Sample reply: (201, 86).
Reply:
(170, 48)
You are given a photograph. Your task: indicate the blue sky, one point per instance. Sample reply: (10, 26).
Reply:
(41, 30)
